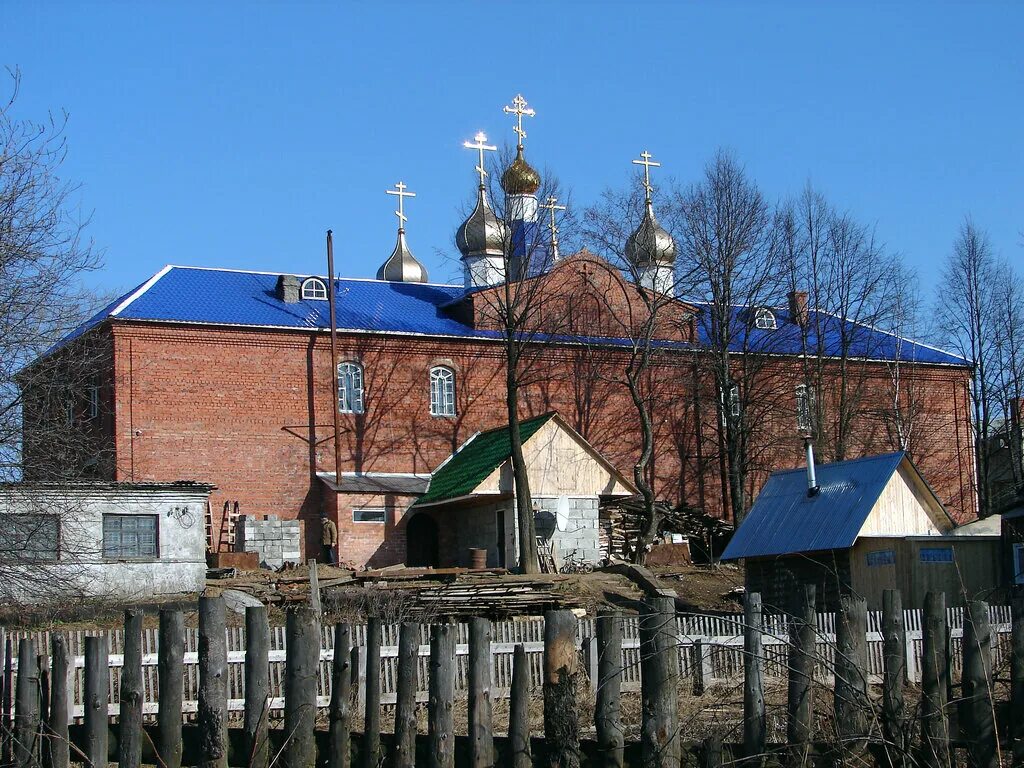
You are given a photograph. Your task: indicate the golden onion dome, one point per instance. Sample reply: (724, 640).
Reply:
(650, 243)
(482, 233)
(520, 178)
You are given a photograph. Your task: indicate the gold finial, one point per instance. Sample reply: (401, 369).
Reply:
(551, 205)
(647, 163)
(401, 194)
(519, 109)
(481, 146)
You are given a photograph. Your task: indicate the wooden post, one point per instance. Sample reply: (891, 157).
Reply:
(6, 724)
(314, 588)
(97, 695)
(561, 708)
(340, 717)
(519, 711)
(440, 714)
(6, 756)
(302, 640)
(800, 703)
(257, 687)
(589, 645)
(57, 748)
(170, 682)
(607, 713)
(894, 643)
(129, 740)
(404, 752)
(659, 682)
(26, 705)
(977, 722)
(371, 713)
(1017, 683)
(358, 665)
(700, 654)
(851, 662)
(754, 714)
(43, 662)
(481, 735)
(934, 682)
(213, 688)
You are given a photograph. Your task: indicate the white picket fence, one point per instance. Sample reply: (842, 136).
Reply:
(710, 647)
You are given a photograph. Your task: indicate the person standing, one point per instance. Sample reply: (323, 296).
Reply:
(330, 541)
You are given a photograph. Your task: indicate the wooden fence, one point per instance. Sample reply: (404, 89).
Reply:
(215, 670)
(710, 650)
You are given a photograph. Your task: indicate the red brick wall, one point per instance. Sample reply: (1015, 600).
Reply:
(250, 411)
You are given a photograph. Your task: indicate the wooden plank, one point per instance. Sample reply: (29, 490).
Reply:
(129, 741)
(340, 717)
(302, 632)
(561, 707)
(257, 688)
(607, 713)
(440, 714)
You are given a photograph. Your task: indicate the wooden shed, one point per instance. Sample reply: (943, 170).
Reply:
(870, 524)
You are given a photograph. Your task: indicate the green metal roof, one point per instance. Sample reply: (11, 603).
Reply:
(475, 460)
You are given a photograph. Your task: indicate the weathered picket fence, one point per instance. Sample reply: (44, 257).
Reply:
(430, 663)
(710, 651)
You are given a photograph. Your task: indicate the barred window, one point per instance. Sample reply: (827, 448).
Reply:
(442, 391)
(130, 537)
(29, 537)
(806, 405)
(314, 288)
(350, 388)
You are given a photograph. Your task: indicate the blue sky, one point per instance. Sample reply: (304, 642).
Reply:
(234, 134)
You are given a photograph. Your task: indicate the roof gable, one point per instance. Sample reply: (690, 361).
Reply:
(785, 520)
(477, 458)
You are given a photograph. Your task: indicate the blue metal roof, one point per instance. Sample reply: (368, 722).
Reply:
(229, 297)
(785, 520)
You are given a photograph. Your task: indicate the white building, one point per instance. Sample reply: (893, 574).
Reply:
(103, 540)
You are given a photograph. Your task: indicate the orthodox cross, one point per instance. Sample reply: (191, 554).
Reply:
(401, 194)
(481, 146)
(551, 205)
(647, 163)
(519, 109)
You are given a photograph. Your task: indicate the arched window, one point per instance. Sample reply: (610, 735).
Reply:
(764, 319)
(806, 405)
(442, 391)
(350, 388)
(314, 288)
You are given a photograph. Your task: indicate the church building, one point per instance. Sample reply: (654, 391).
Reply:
(225, 377)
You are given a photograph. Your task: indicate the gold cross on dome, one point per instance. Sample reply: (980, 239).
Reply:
(647, 163)
(551, 205)
(519, 109)
(481, 146)
(401, 194)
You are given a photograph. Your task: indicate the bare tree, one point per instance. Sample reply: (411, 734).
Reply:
(967, 317)
(515, 302)
(52, 401)
(727, 242)
(850, 283)
(1007, 445)
(647, 319)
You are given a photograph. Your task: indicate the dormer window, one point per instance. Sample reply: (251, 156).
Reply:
(764, 319)
(314, 288)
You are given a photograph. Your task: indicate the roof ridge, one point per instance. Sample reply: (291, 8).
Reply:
(301, 274)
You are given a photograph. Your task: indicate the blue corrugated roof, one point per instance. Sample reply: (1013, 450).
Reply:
(229, 297)
(785, 520)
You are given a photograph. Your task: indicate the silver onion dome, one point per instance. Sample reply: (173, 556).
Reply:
(650, 243)
(402, 266)
(482, 234)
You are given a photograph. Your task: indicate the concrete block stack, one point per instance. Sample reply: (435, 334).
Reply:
(580, 538)
(276, 541)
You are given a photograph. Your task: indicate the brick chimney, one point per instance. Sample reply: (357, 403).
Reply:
(288, 289)
(798, 307)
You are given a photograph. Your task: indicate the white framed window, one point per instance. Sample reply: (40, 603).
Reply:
(94, 401)
(730, 397)
(764, 319)
(442, 391)
(350, 387)
(369, 515)
(130, 537)
(806, 405)
(314, 288)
